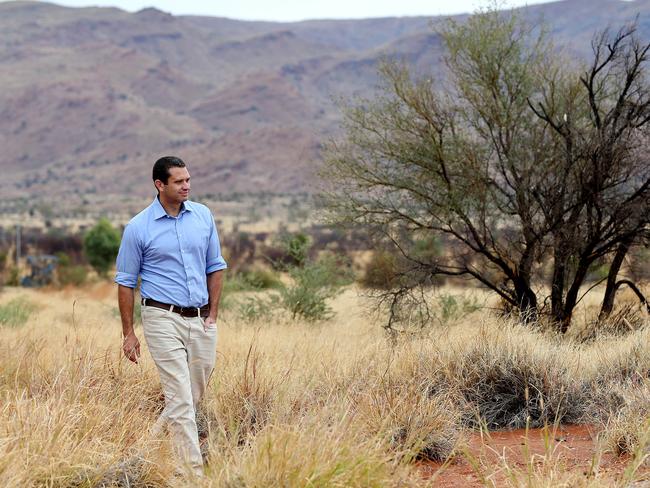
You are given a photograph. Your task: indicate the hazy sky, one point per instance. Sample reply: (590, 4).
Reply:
(290, 10)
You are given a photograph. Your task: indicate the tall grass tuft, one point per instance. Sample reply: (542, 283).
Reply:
(16, 312)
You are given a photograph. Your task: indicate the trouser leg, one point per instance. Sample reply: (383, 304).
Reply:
(201, 355)
(167, 335)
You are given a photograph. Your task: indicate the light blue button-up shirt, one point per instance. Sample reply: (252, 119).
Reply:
(172, 255)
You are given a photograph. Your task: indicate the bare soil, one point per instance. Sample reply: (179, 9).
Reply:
(574, 447)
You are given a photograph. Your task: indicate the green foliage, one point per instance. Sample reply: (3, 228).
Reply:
(101, 244)
(68, 273)
(13, 277)
(598, 272)
(313, 285)
(252, 280)
(427, 249)
(16, 312)
(296, 247)
(63, 259)
(247, 281)
(381, 271)
(455, 307)
(481, 158)
(256, 308)
(387, 270)
(75, 275)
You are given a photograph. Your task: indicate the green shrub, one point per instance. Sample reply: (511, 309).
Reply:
(16, 312)
(381, 271)
(314, 284)
(63, 259)
(262, 279)
(255, 308)
(387, 270)
(455, 307)
(101, 244)
(72, 275)
(297, 247)
(252, 280)
(13, 277)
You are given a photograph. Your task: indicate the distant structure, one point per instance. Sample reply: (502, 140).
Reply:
(42, 270)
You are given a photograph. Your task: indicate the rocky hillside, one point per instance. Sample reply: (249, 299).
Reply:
(91, 97)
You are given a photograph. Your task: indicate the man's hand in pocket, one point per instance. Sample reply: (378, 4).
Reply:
(209, 323)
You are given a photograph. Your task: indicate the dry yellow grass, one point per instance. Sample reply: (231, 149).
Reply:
(293, 404)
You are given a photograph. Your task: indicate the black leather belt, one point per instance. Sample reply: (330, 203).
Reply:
(182, 311)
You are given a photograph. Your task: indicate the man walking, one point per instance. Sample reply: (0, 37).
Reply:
(173, 246)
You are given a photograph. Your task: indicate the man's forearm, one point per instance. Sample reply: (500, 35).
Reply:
(125, 300)
(215, 284)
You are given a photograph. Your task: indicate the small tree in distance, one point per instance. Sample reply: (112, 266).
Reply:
(530, 169)
(101, 245)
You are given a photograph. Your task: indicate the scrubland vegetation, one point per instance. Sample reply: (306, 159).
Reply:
(335, 402)
(361, 357)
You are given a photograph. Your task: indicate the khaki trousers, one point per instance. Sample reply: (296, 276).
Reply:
(185, 354)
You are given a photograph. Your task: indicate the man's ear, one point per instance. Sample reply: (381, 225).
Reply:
(158, 184)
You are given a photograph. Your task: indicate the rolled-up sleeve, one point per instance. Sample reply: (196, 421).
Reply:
(214, 259)
(129, 258)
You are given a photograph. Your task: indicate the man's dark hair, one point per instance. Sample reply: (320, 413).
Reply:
(161, 167)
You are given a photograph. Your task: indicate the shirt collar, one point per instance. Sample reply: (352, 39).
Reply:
(159, 211)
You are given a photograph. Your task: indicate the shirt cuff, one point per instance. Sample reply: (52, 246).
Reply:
(126, 279)
(216, 267)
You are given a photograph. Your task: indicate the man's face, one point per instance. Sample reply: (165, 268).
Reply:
(177, 188)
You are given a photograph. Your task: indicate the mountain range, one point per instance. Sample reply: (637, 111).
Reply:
(92, 96)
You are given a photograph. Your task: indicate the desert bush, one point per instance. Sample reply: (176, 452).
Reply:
(289, 250)
(251, 280)
(388, 270)
(101, 244)
(245, 281)
(418, 427)
(452, 308)
(13, 277)
(627, 431)
(16, 312)
(506, 380)
(261, 279)
(297, 247)
(75, 275)
(381, 271)
(313, 285)
(255, 308)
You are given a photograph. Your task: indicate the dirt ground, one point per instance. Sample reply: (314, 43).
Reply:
(488, 459)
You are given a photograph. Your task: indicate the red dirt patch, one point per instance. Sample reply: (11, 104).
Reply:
(573, 446)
